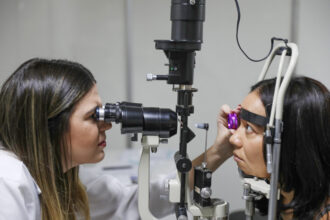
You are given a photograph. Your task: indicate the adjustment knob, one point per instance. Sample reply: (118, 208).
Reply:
(151, 77)
(206, 192)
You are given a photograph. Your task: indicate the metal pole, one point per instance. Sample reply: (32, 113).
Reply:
(294, 27)
(128, 54)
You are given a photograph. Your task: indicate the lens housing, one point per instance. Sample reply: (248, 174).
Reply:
(135, 118)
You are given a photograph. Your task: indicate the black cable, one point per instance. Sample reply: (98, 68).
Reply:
(239, 45)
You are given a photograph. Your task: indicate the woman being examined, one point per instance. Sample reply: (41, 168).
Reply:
(304, 177)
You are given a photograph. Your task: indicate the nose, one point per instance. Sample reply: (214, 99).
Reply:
(235, 139)
(103, 126)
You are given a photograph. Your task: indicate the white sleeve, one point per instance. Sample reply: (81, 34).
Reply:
(109, 199)
(17, 201)
(159, 200)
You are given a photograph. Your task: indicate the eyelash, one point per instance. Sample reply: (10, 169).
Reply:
(247, 128)
(92, 116)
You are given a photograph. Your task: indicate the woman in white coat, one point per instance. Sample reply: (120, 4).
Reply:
(47, 130)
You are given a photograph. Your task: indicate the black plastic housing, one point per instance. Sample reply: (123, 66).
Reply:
(135, 118)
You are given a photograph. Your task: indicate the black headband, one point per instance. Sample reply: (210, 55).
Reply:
(253, 118)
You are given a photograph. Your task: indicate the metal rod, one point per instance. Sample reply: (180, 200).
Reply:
(128, 55)
(183, 152)
(205, 157)
(272, 208)
(294, 26)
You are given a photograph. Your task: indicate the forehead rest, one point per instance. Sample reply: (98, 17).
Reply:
(253, 118)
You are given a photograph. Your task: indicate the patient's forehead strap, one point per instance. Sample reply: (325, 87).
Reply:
(253, 118)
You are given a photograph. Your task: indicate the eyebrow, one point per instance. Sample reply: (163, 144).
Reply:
(92, 110)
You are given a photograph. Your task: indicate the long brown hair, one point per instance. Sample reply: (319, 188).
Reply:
(305, 152)
(36, 103)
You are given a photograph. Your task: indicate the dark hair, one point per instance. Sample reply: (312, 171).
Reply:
(36, 103)
(305, 148)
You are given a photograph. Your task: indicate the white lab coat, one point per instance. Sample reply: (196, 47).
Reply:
(19, 193)
(108, 198)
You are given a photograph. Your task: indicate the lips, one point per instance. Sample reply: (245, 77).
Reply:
(237, 158)
(102, 144)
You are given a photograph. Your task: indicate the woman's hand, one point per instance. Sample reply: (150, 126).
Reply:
(221, 143)
(221, 150)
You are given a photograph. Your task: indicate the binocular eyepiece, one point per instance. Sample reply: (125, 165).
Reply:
(137, 119)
